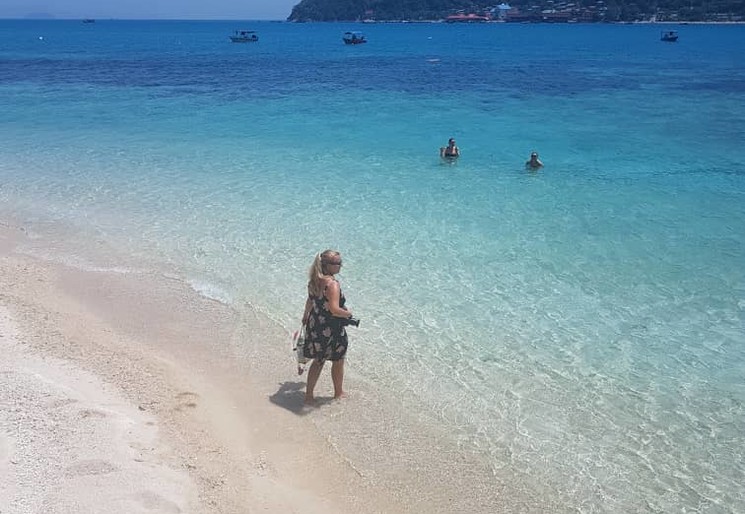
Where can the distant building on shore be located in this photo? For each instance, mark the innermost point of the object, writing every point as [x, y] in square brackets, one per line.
[501, 11]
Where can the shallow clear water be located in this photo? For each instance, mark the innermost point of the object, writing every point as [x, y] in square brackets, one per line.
[582, 325]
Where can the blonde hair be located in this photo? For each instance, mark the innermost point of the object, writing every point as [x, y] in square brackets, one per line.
[317, 272]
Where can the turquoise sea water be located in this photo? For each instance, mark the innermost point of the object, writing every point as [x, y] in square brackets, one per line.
[582, 325]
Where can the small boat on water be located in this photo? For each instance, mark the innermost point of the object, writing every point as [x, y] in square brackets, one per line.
[89, 20]
[244, 36]
[669, 35]
[354, 38]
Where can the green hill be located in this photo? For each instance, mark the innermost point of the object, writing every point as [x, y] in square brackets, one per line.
[533, 10]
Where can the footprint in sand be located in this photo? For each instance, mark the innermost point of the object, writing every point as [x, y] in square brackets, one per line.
[92, 413]
[154, 501]
[58, 404]
[186, 400]
[90, 467]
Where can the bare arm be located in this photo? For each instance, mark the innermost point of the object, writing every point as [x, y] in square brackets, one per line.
[333, 295]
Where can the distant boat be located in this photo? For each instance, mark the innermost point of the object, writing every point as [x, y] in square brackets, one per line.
[244, 36]
[669, 35]
[89, 20]
[354, 38]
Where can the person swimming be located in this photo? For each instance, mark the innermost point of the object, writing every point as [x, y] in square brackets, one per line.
[450, 151]
[534, 163]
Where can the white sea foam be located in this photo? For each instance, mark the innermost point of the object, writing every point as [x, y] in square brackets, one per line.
[74, 261]
[211, 291]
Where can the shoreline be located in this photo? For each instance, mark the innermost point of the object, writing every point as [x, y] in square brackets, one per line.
[203, 371]
[90, 322]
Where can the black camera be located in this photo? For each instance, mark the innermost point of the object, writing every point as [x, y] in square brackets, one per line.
[348, 321]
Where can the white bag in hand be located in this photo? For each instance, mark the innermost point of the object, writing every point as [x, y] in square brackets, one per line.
[297, 345]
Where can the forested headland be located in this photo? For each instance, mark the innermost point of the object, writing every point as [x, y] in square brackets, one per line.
[554, 11]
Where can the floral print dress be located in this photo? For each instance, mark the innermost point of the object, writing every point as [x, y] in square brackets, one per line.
[325, 335]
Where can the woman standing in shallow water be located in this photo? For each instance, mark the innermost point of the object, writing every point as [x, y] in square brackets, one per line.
[325, 335]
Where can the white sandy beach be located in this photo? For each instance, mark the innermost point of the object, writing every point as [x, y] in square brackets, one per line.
[126, 392]
[64, 430]
[102, 411]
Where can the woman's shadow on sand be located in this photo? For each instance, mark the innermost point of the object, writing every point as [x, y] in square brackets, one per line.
[291, 396]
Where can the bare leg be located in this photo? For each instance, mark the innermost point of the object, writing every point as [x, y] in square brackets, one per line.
[337, 377]
[313, 373]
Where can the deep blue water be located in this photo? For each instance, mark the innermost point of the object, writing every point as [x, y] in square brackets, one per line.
[553, 60]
